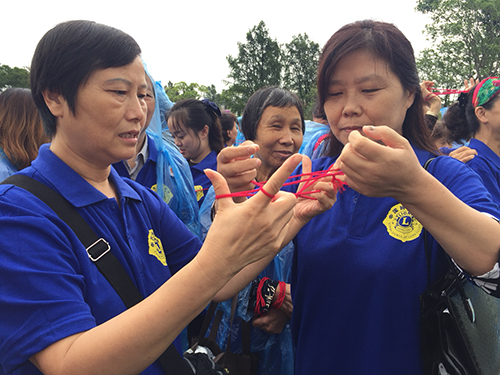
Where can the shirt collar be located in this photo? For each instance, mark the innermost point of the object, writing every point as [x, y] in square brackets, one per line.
[485, 151]
[71, 185]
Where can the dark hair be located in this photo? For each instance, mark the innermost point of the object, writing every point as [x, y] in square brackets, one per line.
[68, 54]
[441, 133]
[21, 130]
[271, 96]
[387, 42]
[227, 120]
[193, 114]
[460, 118]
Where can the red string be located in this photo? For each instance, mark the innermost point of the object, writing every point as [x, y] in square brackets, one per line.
[307, 179]
[260, 302]
[447, 91]
[281, 297]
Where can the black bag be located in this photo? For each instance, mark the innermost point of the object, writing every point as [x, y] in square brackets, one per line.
[246, 362]
[460, 328]
[232, 363]
[460, 324]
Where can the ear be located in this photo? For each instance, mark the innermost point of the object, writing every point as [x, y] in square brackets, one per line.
[481, 114]
[204, 132]
[55, 102]
[410, 99]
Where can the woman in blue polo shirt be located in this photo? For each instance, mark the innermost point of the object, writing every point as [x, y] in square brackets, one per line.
[476, 116]
[360, 267]
[196, 128]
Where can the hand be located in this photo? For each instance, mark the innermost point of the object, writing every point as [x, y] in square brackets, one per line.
[469, 83]
[433, 100]
[306, 208]
[244, 233]
[464, 154]
[271, 322]
[238, 168]
[389, 169]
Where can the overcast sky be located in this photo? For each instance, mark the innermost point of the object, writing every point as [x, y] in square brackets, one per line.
[188, 40]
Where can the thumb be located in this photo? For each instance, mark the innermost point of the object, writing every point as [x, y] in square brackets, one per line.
[221, 188]
[385, 135]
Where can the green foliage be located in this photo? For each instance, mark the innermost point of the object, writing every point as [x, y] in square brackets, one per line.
[300, 60]
[465, 37]
[181, 90]
[258, 64]
[14, 77]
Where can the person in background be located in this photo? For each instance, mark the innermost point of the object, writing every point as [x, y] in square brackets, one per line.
[273, 119]
[88, 83]
[360, 267]
[158, 164]
[317, 131]
[21, 131]
[476, 117]
[195, 126]
[229, 124]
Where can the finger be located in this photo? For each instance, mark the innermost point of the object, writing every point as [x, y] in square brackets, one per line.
[272, 187]
[385, 135]
[243, 151]
[220, 187]
[239, 167]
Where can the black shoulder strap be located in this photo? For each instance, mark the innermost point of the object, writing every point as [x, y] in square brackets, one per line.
[100, 254]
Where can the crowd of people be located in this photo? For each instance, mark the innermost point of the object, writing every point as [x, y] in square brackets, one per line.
[194, 204]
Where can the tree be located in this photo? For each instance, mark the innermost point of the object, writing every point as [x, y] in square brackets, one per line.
[14, 77]
[258, 64]
[300, 60]
[210, 93]
[181, 90]
[465, 35]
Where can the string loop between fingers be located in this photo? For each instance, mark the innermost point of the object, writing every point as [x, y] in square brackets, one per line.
[307, 179]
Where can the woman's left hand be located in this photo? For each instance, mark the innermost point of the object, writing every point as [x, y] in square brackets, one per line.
[380, 163]
[306, 208]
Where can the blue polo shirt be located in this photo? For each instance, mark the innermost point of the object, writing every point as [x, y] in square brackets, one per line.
[357, 275]
[201, 182]
[487, 165]
[49, 289]
[6, 167]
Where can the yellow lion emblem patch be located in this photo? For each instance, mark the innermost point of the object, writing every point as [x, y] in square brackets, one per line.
[401, 224]
[199, 192]
[156, 248]
[167, 194]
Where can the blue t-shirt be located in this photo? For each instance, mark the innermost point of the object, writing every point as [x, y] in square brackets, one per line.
[7, 169]
[357, 275]
[201, 182]
[49, 289]
[487, 165]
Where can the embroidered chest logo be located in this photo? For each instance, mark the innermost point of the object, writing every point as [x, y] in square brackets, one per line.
[401, 224]
[199, 192]
[156, 248]
[167, 194]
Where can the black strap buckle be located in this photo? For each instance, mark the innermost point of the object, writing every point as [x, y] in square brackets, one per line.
[98, 249]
